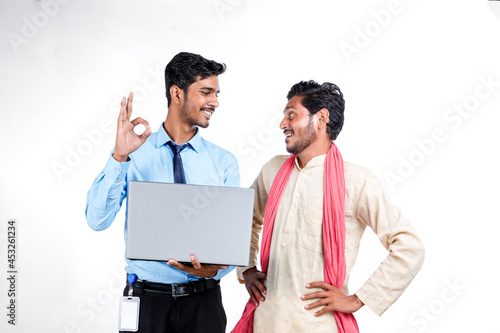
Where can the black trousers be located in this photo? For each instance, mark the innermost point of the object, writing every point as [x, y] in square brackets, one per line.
[197, 313]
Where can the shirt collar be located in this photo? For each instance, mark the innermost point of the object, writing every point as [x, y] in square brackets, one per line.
[162, 138]
[314, 162]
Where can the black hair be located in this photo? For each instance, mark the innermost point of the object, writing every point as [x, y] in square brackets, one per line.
[318, 96]
[185, 68]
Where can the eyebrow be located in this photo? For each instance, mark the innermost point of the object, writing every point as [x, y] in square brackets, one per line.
[210, 88]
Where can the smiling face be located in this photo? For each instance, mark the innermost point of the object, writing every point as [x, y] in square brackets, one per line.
[200, 101]
[298, 125]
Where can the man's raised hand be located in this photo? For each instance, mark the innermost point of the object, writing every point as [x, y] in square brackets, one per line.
[127, 141]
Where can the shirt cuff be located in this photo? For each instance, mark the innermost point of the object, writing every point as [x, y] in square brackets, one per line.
[115, 169]
[221, 273]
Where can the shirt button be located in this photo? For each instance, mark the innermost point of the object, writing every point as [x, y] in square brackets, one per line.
[117, 170]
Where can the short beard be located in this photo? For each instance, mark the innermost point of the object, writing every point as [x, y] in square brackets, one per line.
[191, 120]
[308, 138]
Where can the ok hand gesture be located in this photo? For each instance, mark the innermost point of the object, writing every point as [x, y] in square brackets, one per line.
[127, 141]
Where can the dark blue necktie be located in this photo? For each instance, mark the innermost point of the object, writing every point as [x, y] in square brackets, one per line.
[178, 168]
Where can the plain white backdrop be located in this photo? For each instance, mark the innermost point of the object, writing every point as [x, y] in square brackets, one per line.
[422, 86]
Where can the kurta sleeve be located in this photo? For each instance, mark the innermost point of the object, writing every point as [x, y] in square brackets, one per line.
[405, 250]
[261, 186]
[257, 222]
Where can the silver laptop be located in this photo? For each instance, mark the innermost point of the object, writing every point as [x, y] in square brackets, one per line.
[174, 221]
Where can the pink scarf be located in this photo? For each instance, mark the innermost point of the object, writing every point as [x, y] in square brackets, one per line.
[333, 233]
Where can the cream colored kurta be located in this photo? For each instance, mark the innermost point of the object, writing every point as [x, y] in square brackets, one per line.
[296, 254]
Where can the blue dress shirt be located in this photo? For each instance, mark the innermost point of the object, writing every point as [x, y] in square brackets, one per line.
[204, 164]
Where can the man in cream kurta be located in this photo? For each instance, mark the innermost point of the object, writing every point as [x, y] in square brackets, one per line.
[296, 252]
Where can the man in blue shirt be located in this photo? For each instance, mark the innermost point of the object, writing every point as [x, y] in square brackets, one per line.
[192, 87]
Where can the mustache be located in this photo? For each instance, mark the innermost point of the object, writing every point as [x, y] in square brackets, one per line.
[208, 108]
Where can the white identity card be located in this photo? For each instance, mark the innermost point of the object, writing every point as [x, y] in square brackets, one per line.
[128, 318]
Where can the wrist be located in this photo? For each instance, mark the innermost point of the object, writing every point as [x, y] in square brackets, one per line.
[248, 270]
[120, 158]
[357, 303]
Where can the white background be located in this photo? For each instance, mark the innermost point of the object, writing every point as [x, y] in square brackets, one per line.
[405, 68]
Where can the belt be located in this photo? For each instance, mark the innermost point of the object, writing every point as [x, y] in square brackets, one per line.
[177, 289]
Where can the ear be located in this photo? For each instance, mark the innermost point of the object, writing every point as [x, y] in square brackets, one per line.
[176, 94]
[323, 117]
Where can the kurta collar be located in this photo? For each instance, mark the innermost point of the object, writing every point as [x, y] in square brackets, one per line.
[314, 162]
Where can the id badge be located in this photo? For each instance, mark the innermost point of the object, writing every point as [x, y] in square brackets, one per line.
[128, 318]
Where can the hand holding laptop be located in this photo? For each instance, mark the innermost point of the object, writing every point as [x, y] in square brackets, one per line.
[204, 271]
[208, 226]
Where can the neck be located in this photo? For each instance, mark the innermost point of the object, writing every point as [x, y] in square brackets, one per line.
[317, 148]
[177, 129]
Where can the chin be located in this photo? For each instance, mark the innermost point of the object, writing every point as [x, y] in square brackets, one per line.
[202, 124]
[291, 149]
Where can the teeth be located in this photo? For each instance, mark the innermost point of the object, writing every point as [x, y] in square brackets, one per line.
[288, 135]
[207, 112]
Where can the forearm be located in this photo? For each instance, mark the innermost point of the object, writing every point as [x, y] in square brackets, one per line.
[106, 194]
[260, 200]
[395, 273]
[254, 248]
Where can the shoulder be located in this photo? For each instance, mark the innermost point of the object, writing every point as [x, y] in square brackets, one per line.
[359, 180]
[271, 168]
[355, 173]
[267, 174]
[218, 152]
[275, 163]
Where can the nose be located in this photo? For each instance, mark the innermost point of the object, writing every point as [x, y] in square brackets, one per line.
[284, 124]
[214, 101]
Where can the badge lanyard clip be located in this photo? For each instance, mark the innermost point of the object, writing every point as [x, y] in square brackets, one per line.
[131, 279]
